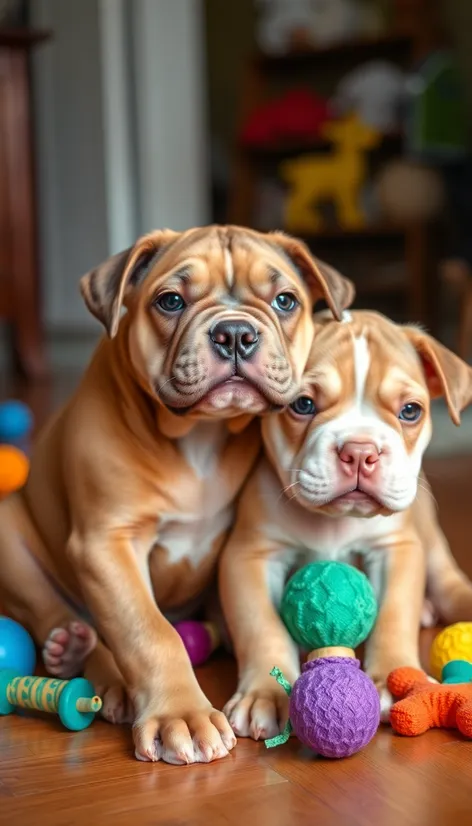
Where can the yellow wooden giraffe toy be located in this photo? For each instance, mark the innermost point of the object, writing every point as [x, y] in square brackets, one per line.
[337, 177]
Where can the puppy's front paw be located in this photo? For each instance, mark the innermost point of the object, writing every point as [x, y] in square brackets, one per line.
[386, 700]
[429, 615]
[258, 709]
[181, 731]
[378, 672]
[109, 685]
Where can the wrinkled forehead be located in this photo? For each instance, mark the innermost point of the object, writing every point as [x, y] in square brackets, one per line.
[230, 260]
[363, 358]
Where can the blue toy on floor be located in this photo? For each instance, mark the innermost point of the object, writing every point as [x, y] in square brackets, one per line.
[17, 649]
[16, 422]
[74, 701]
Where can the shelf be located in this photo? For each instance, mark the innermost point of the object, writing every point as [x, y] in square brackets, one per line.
[359, 50]
[277, 153]
[22, 38]
[379, 286]
[373, 231]
[382, 284]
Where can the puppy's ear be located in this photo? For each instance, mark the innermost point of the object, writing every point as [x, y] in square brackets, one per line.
[105, 288]
[322, 280]
[446, 374]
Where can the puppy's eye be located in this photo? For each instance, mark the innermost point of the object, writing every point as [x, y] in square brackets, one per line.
[304, 406]
[410, 412]
[285, 303]
[170, 302]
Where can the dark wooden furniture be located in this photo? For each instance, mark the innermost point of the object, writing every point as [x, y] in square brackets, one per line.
[20, 304]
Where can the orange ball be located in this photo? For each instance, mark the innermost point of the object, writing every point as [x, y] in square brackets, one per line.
[14, 468]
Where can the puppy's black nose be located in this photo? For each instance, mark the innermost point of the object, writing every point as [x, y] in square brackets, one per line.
[234, 338]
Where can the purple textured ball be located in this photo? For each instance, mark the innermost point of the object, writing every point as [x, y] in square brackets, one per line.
[196, 639]
[334, 707]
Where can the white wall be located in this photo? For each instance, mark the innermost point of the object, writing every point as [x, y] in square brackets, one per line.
[121, 134]
[70, 159]
[170, 108]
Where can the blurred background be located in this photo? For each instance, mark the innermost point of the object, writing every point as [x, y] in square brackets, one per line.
[345, 122]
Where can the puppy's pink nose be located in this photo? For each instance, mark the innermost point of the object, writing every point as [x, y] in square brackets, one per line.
[358, 458]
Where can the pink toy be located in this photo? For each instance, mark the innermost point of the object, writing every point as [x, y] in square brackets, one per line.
[200, 639]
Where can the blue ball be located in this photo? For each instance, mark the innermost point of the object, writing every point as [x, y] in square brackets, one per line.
[17, 649]
[16, 421]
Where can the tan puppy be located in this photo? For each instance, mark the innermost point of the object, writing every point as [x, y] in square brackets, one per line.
[131, 486]
[350, 446]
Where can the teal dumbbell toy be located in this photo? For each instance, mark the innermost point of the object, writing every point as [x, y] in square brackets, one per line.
[457, 671]
[74, 701]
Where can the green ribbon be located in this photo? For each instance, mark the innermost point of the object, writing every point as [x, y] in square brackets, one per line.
[281, 738]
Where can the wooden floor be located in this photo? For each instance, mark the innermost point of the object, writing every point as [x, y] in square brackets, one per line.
[54, 777]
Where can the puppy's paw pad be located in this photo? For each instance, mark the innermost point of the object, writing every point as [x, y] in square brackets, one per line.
[386, 703]
[117, 707]
[429, 615]
[66, 649]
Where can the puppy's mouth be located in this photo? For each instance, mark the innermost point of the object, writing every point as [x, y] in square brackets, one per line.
[353, 501]
[356, 501]
[356, 496]
[234, 393]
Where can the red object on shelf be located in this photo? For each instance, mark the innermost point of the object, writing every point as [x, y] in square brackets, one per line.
[296, 117]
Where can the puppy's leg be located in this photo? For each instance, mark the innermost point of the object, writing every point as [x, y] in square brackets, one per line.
[102, 671]
[251, 581]
[29, 597]
[174, 720]
[449, 589]
[400, 586]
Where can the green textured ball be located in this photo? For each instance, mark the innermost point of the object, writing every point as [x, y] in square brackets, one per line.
[328, 604]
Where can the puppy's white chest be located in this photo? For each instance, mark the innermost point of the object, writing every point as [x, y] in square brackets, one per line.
[317, 536]
[337, 538]
[202, 447]
[192, 538]
[204, 510]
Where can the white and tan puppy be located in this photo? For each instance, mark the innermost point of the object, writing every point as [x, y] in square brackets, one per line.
[132, 484]
[342, 476]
